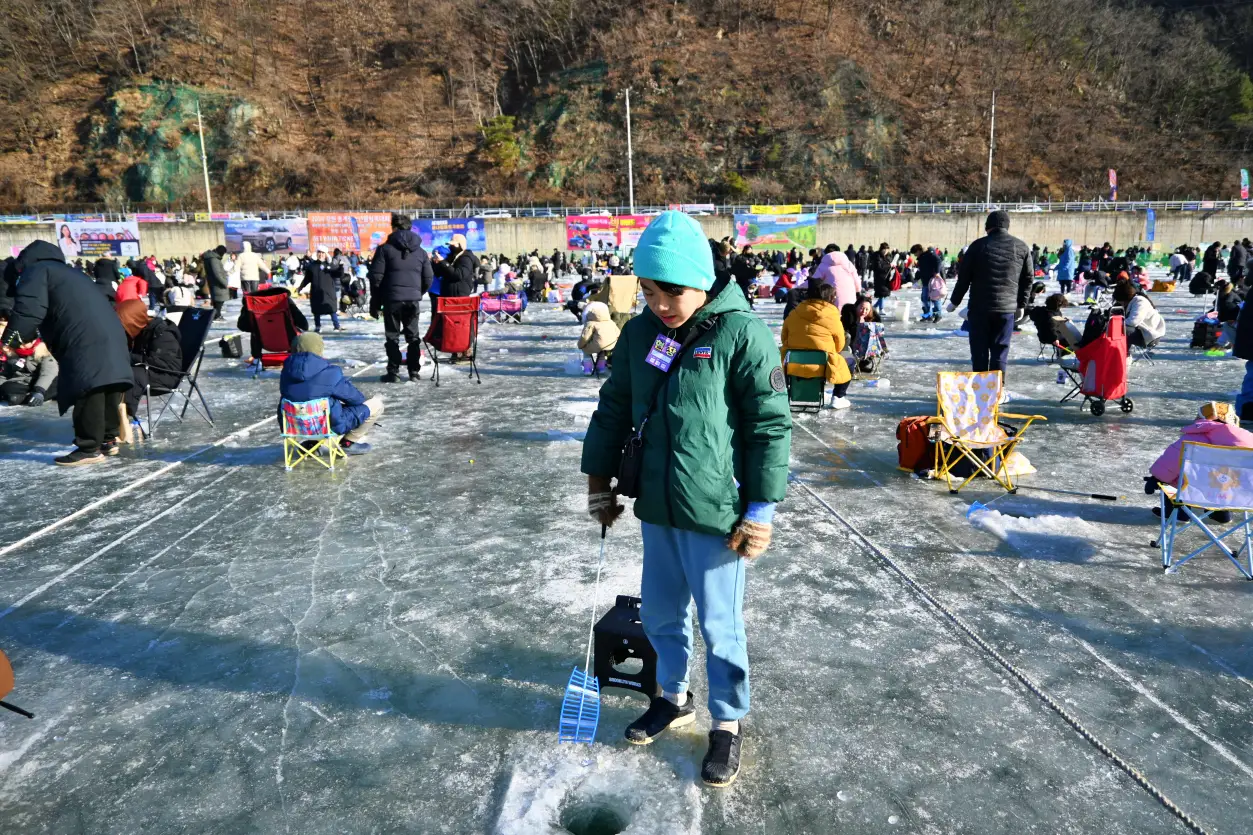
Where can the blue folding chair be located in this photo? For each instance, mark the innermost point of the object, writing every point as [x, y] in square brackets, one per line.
[1211, 479]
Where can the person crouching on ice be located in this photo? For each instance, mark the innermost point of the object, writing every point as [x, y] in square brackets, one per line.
[697, 381]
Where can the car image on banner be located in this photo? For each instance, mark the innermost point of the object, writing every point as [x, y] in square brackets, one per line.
[279, 235]
[91, 239]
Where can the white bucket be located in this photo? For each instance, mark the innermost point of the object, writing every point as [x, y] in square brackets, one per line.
[902, 311]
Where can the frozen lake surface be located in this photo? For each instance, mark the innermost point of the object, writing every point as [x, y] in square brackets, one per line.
[228, 647]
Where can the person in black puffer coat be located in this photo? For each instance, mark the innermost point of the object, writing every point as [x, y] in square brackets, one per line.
[61, 305]
[107, 276]
[457, 273]
[997, 272]
[214, 275]
[323, 290]
[400, 275]
[156, 349]
[881, 268]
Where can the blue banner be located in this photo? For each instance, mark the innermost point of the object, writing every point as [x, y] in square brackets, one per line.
[439, 232]
[1150, 225]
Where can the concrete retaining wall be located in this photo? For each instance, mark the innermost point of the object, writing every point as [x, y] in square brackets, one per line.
[173, 240]
[22, 236]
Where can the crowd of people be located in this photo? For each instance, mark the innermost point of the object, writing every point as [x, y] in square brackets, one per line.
[97, 338]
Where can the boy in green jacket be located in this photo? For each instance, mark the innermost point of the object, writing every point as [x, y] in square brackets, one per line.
[716, 437]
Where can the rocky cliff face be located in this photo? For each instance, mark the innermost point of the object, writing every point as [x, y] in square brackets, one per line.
[323, 102]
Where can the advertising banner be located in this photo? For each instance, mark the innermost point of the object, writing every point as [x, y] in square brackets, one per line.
[1244, 184]
[591, 232]
[695, 208]
[438, 232]
[283, 235]
[349, 231]
[790, 209]
[79, 239]
[776, 232]
[1150, 225]
[630, 227]
[1113, 186]
[154, 218]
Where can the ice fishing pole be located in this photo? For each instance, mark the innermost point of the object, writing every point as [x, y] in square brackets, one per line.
[1102, 496]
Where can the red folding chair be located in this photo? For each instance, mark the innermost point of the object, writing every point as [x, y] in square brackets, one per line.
[454, 330]
[272, 330]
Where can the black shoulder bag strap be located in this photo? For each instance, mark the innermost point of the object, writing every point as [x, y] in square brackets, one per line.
[633, 450]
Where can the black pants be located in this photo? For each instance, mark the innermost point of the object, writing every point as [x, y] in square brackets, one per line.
[96, 417]
[990, 334]
[250, 287]
[217, 310]
[402, 318]
[840, 389]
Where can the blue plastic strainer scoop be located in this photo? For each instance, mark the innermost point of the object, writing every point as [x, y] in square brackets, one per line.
[580, 709]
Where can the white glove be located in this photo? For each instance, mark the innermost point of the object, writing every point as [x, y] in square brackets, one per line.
[950, 307]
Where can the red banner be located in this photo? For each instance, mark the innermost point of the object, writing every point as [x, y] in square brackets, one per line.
[349, 232]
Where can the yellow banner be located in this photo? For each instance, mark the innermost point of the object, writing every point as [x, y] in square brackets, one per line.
[203, 217]
[844, 207]
[793, 209]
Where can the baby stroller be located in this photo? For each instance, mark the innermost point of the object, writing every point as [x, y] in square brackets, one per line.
[1098, 369]
[869, 348]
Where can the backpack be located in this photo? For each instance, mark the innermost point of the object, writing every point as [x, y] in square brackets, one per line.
[1206, 333]
[915, 451]
[936, 288]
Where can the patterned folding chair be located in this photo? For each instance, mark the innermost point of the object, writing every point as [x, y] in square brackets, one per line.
[1211, 479]
[307, 433]
[970, 427]
[491, 309]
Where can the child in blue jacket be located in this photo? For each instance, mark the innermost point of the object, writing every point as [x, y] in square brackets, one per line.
[308, 376]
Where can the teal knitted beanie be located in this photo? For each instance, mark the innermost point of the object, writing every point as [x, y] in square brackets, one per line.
[674, 249]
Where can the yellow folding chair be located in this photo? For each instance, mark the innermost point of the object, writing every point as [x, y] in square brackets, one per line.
[307, 433]
[969, 422]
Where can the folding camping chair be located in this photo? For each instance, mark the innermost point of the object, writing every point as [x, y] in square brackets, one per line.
[512, 306]
[454, 329]
[306, 427]
[1211, 478]
[970, 427]
[1145, 354]
[869, 348]
[806, 379]
[272, 330]
[491, 309]
[1051, 348]
[193, 330]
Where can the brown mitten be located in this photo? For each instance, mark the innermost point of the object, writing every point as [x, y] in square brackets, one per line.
[750, 539]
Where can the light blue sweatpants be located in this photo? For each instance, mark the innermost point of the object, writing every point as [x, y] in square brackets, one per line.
[1246, 388]
[679, 566]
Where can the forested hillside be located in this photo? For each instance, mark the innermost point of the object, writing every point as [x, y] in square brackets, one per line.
[336, 103]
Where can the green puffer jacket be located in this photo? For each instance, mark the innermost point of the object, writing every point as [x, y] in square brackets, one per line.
[721, 418]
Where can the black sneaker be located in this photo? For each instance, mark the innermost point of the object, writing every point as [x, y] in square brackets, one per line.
[390, 378]
[722, 762]
[109, 448]
[661, 716]
[80, 458]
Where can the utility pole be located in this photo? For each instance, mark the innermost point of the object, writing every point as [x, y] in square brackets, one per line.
[204, 159]
[987, 198]
[630, 163]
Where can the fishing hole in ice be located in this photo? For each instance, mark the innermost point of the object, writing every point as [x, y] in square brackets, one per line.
[595, 816]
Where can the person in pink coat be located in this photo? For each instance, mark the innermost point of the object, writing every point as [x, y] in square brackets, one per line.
[836, 270]
[1217, 424]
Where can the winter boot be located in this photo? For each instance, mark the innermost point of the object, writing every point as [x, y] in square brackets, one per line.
[587, 368]
[661, 716]
[80, 458]
[722, 763]
[602, 367]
